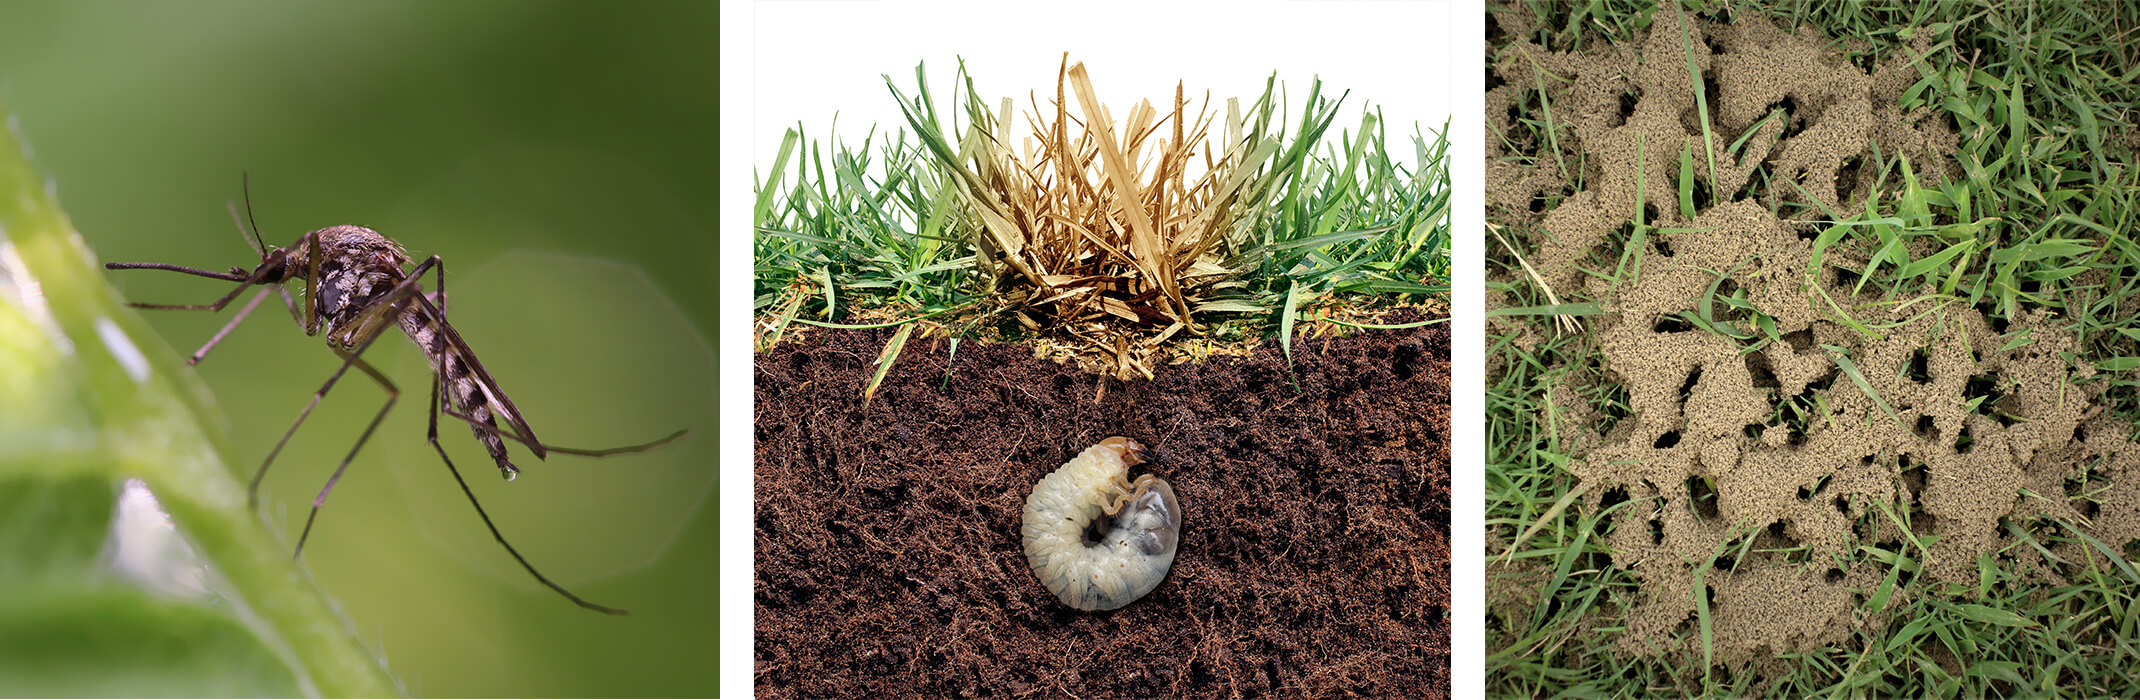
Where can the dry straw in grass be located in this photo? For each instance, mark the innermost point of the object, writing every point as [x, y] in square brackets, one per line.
[1096, 229]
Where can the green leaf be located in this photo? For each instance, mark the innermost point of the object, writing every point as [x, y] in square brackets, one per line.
[1587, 308]
[2025, 337]
[1992, 616]
[2118, 364]
[67, 630]
[1887, 584]
[1686, 181]
[1935, 261]
[2116, 559]
[2056, 248]
[771, 186]
[1858, 378]
[92, 401]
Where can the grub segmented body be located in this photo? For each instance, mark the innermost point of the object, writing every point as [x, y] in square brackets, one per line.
[358, 266]
[1136, 543]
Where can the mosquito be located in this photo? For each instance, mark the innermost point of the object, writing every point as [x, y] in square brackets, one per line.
[357, 284]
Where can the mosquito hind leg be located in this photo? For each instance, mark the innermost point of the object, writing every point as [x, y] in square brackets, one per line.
[489, 428]
[494, 533]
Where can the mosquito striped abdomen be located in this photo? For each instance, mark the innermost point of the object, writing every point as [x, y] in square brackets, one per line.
[462, 387]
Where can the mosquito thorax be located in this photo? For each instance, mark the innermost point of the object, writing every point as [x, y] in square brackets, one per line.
[356, 267]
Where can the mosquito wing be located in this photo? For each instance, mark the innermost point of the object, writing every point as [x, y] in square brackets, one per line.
[470, 386]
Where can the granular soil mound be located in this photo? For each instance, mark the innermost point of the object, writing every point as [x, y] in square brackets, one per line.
[1986, 431]
[1314, 557]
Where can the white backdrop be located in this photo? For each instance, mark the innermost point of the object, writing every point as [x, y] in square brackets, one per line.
[814, 59]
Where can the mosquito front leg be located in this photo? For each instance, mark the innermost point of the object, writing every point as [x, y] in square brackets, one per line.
[392, 394]
[202, 353]
[234, 275]
[268, 270]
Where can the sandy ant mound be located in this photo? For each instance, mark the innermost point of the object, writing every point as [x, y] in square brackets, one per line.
[1777, 99]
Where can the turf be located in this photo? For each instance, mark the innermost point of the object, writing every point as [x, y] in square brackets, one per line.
[2035, 217]
[930, 223]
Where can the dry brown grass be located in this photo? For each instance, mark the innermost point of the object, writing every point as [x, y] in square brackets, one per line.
[1116, 234]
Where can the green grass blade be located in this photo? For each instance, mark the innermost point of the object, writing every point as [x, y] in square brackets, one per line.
[2116, 559]
[1701, 91]
[1686, 182]
[771, 189]
[1587, 308]
[1992, 616]
[1850, 369]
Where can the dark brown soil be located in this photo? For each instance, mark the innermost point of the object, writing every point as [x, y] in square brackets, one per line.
[1314, 558]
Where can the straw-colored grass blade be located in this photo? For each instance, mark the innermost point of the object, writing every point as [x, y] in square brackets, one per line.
[1144, 241]
[885, 360]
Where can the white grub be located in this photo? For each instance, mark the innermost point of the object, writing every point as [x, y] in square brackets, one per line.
[1137, 525]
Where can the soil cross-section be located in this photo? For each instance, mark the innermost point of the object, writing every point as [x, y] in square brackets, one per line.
[1313, 551]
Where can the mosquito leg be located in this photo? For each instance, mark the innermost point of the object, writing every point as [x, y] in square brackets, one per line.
[393, 297]
[437, 405]
[438, 279]
[291, 304]
[489, 429]
[243, 281]
[392, 394]
[433, 437]
[202, 353]
[252, 496]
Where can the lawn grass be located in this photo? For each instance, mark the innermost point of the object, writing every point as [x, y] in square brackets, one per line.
[1220, 227]
[2044, 96]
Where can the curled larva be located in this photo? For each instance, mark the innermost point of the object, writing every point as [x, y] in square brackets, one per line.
[1096, 539]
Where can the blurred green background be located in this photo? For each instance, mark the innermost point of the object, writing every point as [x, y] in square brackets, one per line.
[559, 157]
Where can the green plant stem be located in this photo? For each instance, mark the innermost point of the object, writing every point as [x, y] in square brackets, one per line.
[144, 412]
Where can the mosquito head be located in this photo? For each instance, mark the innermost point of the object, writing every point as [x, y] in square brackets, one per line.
[274, 262]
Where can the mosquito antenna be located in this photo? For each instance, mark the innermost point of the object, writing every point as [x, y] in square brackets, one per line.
[245, 189]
